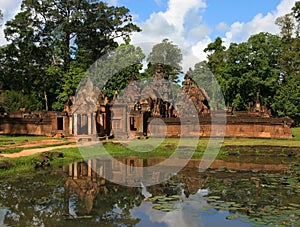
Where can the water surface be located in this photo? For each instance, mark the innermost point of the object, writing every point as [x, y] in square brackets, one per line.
[231, 193]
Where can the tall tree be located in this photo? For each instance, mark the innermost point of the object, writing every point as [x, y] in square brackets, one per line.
[287, 26]
[286, 101]
[52, 40]
[1, 17]
[296, 11]
[167, 54]
[113, 71]
[203, 76]
[246, 68]
[217, 64]
[129, 63]
[216, 55]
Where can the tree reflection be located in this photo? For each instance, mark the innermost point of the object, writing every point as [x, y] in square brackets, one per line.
[77, 195]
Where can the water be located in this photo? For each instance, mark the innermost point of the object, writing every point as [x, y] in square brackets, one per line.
[231, 193]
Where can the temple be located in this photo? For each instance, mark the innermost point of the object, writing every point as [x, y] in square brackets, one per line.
[153, 109]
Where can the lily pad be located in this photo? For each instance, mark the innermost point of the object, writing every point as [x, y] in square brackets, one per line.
[232, 217]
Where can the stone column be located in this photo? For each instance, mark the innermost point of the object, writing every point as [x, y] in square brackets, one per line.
[75, 124]
[94, 128]
[81, 124]
[125, 116]
[89, 123]
[70, 125]
[71, 170]
[75, 176]
[89, 169]
[94, 165]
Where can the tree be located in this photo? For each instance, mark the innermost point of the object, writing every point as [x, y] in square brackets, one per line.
[216, 56]
[287, 98]
[121, 79]
[286, 25]
[169, 55]
[202, 75]
[27, 59]
[52, 40]
[296, 14]
[13, 101]
[1, 17]
[286, 101]
[217, 65]
[113, 71]
[101, 26]
[289, 25]
[247, 68]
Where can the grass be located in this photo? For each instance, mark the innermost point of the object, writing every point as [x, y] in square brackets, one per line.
[16, 140]
[295, 141]
[296, 134]
[18, 149]
[166, 148]
[116, 150]
[25, 164]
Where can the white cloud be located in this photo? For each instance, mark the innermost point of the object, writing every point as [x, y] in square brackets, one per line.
[199, 32]
[171, 22]
[158, 2]
[222, 26]
[112, 2]
[9, 9]
[241, 31]
[178, 9]
[197, 49]
[181, 23]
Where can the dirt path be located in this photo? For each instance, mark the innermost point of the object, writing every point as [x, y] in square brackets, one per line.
[33, 143]
[28, 152]
[33, 151]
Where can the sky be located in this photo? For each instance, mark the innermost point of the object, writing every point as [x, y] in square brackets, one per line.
[191, 24]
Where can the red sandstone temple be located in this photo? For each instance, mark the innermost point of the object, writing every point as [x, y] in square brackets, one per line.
[130, 114]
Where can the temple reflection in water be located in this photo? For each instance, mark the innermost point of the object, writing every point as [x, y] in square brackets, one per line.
[89, 179]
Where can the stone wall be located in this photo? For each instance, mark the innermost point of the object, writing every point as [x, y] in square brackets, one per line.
[38, 123]
[57, 124]
[246, 127]
[23, 126]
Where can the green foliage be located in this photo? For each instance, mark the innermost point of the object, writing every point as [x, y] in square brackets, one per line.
[13, 101]
[265, 63]
[246, 68]
[296, 133]
[53, 42]
[69, 83]
[216, 56]
[1, 17]
[113, 72]
[287, 99]
[169, 55]
[286, 25]
[202, 75]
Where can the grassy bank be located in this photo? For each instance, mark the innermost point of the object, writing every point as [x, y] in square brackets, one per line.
[238, 146]
[17, 140]
[296, 134]
[18, 149]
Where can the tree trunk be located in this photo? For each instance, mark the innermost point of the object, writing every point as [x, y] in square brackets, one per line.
[46, 99]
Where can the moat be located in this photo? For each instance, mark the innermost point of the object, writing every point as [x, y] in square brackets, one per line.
[233, 192]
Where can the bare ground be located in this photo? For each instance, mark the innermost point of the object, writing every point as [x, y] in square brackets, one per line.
[28, 152]
[27, 145]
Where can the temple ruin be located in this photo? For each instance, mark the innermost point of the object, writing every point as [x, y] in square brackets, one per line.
[131, 113]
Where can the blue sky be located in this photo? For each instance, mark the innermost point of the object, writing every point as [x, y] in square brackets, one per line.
[216, 11]
[193, 24]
